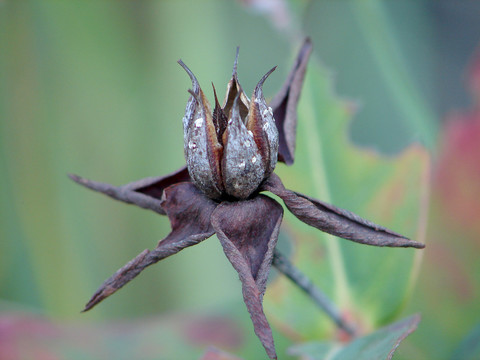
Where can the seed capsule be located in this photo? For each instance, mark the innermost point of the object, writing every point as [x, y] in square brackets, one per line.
[229, 151]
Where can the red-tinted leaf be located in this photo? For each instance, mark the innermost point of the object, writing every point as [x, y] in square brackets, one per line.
[458, 172]
[215, 354]
[178, 336]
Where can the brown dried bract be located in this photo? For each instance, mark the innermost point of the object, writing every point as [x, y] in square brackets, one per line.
[231, 154]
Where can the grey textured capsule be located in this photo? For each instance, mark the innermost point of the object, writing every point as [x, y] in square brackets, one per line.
[229, 151]
[202, 149]
[242, 165]
[262, 125]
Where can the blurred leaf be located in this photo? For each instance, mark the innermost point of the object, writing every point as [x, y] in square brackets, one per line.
[382, 42]
[215, 354]
[469, 349]
[385, 63]
[457, 181]
[23, 335]
[377, 346]
[371, 285]
[449, 283]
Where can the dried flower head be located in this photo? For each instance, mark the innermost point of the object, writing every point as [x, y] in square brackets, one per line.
[231, 150]
[231, 153]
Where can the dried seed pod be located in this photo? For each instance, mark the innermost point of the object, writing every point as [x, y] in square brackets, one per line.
[231, 150]
[262, 125]
[202, 148]
[242, 165]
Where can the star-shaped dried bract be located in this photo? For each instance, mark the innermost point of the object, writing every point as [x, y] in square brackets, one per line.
[231, 153]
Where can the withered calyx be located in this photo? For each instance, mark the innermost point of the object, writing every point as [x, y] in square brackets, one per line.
[231, 153]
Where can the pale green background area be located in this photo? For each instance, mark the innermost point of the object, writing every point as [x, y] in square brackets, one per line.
[93, 88]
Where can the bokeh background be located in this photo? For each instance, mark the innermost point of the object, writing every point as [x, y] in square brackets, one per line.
[93, 88]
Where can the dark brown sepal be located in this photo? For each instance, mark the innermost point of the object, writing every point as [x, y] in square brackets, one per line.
[336, 221]
[154, 186]
[145, 193]
[189, 212]
[248, 242]
[284, 105]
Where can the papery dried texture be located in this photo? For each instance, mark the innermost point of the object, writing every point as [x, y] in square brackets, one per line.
[248, 232]
[154, 186]
[262, 125]
[202, 148]
[242, 163]
[233, 89]
[145, 193]
[219, 118]
[336, 221]
[284, 105]
[189, 212]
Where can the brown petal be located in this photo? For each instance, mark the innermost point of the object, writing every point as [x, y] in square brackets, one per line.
[154, 186]
[202, 149]
[203, 152]
[233, 89]
[145, 193]
[189, 212]
[262, 125]
[248, 232]
[219, 118]
[285, 102]
[336, 221]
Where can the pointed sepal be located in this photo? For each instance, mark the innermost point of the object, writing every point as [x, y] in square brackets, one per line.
[336, 221]
[285, 102]
[248, 231]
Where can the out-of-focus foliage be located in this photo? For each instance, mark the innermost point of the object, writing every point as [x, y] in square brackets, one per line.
[178, 336]
[94, 88]
[377, 346]
[369, 284]
[448, 288]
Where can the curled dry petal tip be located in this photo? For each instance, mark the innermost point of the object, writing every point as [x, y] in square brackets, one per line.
[196, 85]
[235, 63]
[262, 125]
[264, 77]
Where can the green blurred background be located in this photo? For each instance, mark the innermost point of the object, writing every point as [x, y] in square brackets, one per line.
[93, 88]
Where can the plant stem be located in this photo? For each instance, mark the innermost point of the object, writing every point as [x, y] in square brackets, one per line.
[303, 282]
[321, 187]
